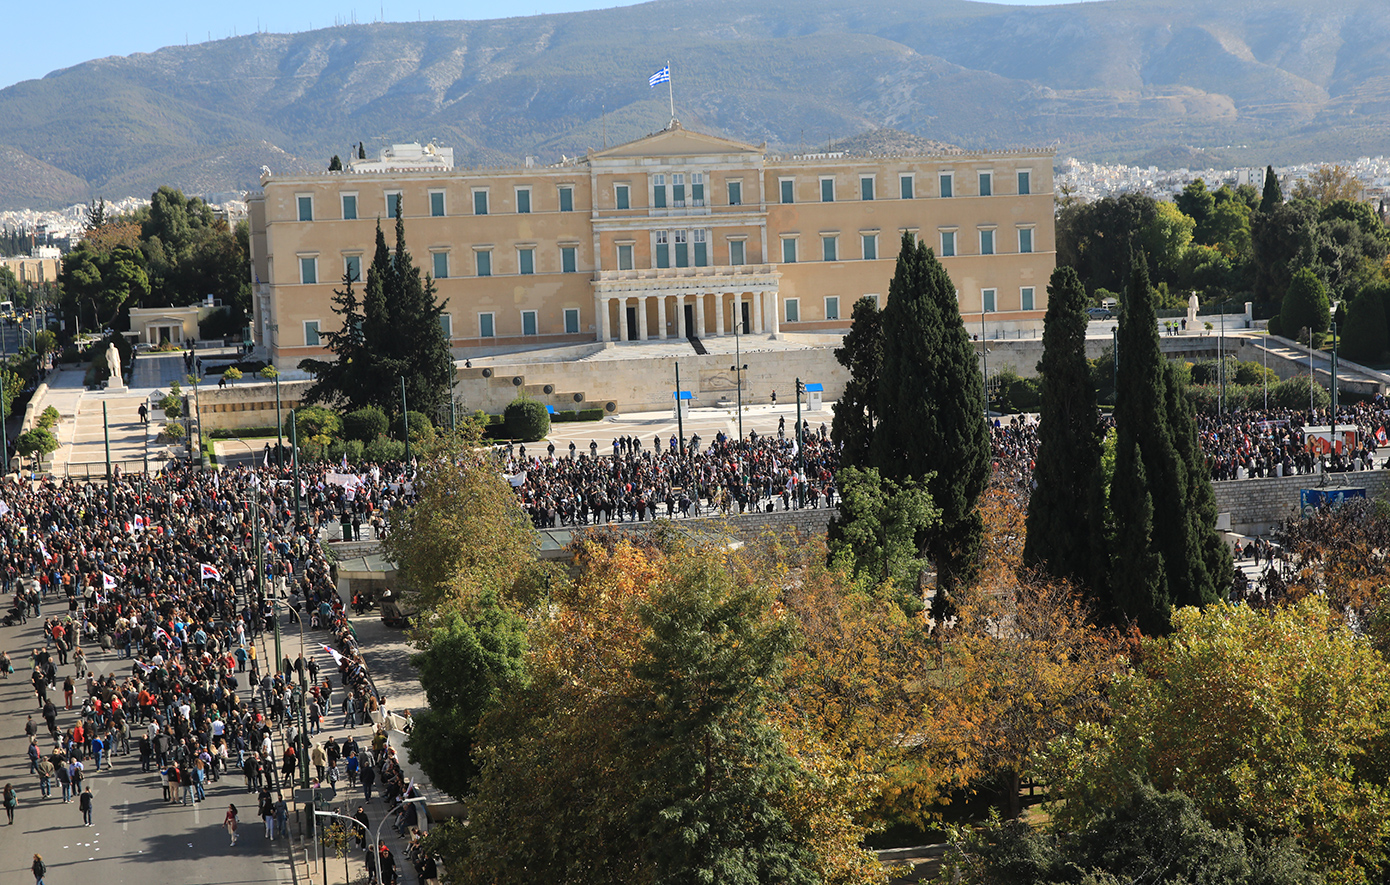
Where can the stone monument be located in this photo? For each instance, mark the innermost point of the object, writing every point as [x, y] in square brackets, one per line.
[1192, 312]
[113, 360]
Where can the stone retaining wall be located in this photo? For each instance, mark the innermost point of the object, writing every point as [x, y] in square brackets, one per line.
[1257, 505]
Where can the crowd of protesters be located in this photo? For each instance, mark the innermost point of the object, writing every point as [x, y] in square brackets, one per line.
[155, 577]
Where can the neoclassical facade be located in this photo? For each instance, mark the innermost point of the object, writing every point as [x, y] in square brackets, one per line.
[674, 235]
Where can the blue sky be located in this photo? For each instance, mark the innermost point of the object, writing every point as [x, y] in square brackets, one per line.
[43, 38]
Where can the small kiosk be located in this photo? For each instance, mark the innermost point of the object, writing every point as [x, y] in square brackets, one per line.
[814, 392]
[683, 399]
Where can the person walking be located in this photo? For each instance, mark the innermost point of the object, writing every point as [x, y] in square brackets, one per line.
[11, 799]
[39, 869]
[85, 803]
[368, 775]
[266, 810]
[230, 823]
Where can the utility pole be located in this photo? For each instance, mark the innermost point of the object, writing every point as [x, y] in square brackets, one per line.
[800, 446]
[405, 420]
[1334, 388]
[279, 439]
[680, 409]
[106, 437]
[294, 458]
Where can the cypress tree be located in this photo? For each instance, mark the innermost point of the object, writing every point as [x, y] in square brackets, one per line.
[1061, 528]
[418, 343]
[1273, 195]
[1166, 551]
[856, 411]
[931, 408]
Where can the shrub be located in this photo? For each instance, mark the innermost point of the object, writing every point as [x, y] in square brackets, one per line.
[365, 424]
[232, 374]
[1293, 394]
[420, 426]
[527, 420]
[351, 448]
[578, 415]
[45, 341]
[384, 448]
[49, 417]
[37, 441]
[173, 430]
[269, 373]
[1251, 372]
[315, 421]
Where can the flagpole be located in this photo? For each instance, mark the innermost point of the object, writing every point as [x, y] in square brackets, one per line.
[670, 89]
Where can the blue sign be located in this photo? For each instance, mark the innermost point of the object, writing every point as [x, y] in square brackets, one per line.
[1309, 500]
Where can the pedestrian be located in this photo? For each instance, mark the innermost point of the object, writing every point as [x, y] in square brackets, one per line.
[282, 815]
[368, 775]
[45, 777]
[267, 812]
[39, 869]
[230, 823]
[85, 804]
[11, 800]
[361, 817]
[144, 414]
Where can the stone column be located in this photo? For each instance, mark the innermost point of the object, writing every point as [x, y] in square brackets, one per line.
[700, 316]
[622, 318]
[758, 299]
[680, 317]
[662, 333]
[641, 317]
[601, 318]
[776, 311]
[719, 314]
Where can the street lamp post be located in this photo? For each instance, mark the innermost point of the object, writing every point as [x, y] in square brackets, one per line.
[984, 355]
[376, 844]
[279, 437]
[352, 821]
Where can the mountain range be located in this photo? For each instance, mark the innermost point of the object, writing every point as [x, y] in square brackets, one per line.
[1168, 82]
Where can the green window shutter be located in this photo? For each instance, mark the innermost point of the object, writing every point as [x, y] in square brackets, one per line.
[737, 255]
[484, 263]
[1025, 301]
[735, 193]
[393, 205]
[523, 202]
[624, 258]
[948, 185]
[870, 247]
[986, 184]
[306, 208]
[948, 243]
[352, 267]
[568, 262]
[446, 326]
[788, 191]
[566, 199]
[701, 255]
[987, 299]
[308, 270]
[828, 249]
[441, 265]
[526, 260]
[789, 251]
[866, 188]
[793, 310]
[486, 326]
[905, 188]
[436, 205]
[528, 322]
[349, 207]
[986, 242]
[311, 333]
[827, 190]
[480, 203]
[1025, 183]
[623, 199]
[571, 321]
[1025, 240]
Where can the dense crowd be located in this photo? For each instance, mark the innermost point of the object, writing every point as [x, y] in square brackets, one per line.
[160, 571]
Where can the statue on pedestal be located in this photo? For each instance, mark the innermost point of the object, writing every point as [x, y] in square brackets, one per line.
[113, 360]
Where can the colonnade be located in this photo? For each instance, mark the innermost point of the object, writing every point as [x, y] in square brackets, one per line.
[708, 306]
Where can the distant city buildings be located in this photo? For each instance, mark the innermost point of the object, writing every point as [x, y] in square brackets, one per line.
[1093, 181]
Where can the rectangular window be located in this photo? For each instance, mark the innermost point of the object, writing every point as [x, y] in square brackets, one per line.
[446, 326]
[906, 190]
[986, 242]
[736, 193]
[987, 300]
[349, 207]
[700, 239]
[832, 307]
[569, 262]
[697, 188]
[1025, 298]
[663, 249]
[308, 270]
[678, 189]
[624, 257]
[737, 255]
[526, 261]
[528, 322]
[986, 184]
[480, 208]
[658, 191]
[682, 248]
[948, 243]
[441, 265]
[436, 204]
[947, 183]
[788, 190]
[829, 248]
[311, 333]
[793, 310]
[1025, 183]
[566, 199]
[1025, 239]
[571, 321]
[870, 244]
[789, 251]
[523, 201]
[352, 267]
[866, 187]
[484, 258]
[827, 190]
[621, 195]
[393, 204]
[486, 327]
[306, 208]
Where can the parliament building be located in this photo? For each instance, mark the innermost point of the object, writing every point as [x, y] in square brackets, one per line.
[675, 235]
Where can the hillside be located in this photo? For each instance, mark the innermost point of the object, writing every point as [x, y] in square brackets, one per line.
[1125, 79]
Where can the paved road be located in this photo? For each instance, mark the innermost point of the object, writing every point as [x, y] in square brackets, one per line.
[137, 837]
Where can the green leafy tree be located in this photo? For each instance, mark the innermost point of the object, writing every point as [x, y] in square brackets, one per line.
[931, 409]
[711, 766]
[36, 441]
[1199, 204]
[1282, 240]
[856, 412]
[1063, 536]
[1306, 304]
[526, 420]
[878, 527]
[365, 424]
[1273, 195]
[1096, 238]
[469, 657]
[1364, 334]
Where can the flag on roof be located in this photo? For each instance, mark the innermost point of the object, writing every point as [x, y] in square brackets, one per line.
[661, 76]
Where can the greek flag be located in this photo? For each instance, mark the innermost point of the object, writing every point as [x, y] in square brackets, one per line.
[661, 76]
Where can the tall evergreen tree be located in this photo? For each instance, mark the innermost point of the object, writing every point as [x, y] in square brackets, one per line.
[352, 363]
[1165, 550]
[1061, 527]
[1273, 194]
[856, 411]
[931, 408]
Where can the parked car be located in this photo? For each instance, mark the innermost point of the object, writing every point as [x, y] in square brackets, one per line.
[1100, 313]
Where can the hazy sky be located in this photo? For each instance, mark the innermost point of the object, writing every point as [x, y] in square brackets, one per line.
[41, 38]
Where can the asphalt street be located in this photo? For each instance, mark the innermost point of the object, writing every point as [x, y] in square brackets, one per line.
[136, 836]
